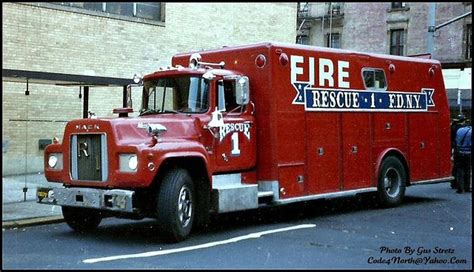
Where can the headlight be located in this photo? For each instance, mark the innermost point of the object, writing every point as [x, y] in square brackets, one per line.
[128, 162]
[55, 161]
[133, 162]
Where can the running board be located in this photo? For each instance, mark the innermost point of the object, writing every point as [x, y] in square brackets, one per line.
[432, 181]
[265, 194]
[325, 196]
[229, 194]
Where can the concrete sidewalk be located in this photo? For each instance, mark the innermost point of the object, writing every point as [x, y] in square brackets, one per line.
[16, 212]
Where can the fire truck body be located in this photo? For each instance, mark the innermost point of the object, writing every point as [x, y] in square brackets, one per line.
[312, 151]
[271, 124]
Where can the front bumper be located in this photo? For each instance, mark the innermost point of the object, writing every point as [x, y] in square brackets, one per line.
[113, 200]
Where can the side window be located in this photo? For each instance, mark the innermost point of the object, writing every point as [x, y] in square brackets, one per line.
[374, 79]
[220, 95]
[229, 92]
[226, 95]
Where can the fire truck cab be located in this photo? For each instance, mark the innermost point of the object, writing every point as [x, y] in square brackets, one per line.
[264, 124]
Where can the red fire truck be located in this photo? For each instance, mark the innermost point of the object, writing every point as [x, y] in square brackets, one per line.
[265, 124]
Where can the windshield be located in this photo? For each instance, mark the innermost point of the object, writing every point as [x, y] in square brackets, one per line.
[175, 94]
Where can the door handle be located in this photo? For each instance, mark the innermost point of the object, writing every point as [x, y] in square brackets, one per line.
[224, 157]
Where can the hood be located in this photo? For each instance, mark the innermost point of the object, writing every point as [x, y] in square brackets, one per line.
[130, 131]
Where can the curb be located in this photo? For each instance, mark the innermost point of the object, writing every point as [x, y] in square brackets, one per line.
[32, 222]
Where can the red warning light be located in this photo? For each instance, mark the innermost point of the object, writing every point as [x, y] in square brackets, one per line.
[260, 61]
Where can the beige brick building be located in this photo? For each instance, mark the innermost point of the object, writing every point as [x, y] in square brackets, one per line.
[75, 40]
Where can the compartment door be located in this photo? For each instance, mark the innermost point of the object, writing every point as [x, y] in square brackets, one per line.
[424, 160]
[356, 150]
[323, 152]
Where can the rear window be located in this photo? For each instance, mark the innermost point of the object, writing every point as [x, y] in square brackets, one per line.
[374, 79]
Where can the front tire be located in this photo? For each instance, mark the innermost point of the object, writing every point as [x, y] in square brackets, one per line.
[175, 205]
[81, 219]
[392, 182]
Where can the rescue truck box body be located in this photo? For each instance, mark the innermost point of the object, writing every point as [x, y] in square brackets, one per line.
[318, 123]
[311, 150]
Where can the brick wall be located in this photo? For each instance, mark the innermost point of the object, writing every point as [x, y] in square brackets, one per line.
[38, 38]
[365, 28]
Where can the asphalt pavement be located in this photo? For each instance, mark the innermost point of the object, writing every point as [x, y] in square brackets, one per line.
[432, 229]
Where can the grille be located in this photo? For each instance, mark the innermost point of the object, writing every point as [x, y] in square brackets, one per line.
[89, 157]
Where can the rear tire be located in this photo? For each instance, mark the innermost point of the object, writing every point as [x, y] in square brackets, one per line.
[81, 219]
[175, 205]
[392, 182]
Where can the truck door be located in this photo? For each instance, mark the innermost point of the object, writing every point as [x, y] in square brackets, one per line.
[235, 147]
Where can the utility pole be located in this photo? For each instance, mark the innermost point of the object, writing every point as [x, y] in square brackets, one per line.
[431, 28]
[330, 25]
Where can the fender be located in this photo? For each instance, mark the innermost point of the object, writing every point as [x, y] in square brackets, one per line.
[384, 154]
[187, 149]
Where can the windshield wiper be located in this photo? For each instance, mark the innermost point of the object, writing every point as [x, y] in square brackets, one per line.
[168, 111]
[152, 111]
[149, 111]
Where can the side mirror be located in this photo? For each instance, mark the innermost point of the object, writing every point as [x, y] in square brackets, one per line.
[242, 95]
[138, 79]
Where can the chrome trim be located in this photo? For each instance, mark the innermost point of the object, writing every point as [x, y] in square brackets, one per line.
[73, 148]
[323, 196]
[432, 181]
[114, 200]
[105, 156]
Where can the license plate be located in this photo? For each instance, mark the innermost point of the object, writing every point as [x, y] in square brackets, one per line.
[42, 193]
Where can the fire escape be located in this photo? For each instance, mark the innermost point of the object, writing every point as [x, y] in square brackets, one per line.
[310, 14]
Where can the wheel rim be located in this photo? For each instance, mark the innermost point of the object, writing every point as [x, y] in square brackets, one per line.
[185, 206]
[392, 181]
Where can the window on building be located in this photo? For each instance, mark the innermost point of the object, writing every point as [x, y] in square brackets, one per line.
[398, 5]
[121, 8]
[96, 6]
[374, 78]
[334, 8]
[469, 41]
[333, 40]
[303, 39]
[397, 41]
[147, 10]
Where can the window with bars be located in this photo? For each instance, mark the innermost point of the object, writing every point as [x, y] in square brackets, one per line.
[398, 5]
[397, 42]
[333, 40]
[146, 10]
[468, 41]
[303, 39]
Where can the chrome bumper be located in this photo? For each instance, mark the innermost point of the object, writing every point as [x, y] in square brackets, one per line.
[113, 200]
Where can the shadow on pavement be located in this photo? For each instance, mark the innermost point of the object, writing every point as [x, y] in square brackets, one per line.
[145, 232]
